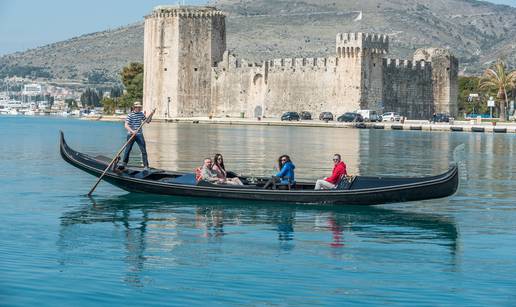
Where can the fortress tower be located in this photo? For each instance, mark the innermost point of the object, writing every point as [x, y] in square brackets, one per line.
[361, 54]
[445, 82]
[182, 44]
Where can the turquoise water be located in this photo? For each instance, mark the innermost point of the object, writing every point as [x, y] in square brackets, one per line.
[60, 248]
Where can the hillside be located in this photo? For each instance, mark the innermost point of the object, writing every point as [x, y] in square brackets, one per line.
[477, 32]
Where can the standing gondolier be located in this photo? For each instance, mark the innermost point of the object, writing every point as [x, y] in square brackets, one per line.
[133, 121]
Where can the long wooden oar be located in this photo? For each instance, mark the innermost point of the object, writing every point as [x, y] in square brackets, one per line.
[119, 152]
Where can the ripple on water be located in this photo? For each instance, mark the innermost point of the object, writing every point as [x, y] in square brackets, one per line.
[135, 249]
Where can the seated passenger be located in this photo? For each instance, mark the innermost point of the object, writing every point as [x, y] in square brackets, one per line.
[285, 175]
[220, 170]
[207, 173]
[339, 171]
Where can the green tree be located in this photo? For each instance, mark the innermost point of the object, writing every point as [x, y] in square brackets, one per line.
[90, 98]
[116, 92]
[132, 78]
[109, 105]
[50, 99]
[71, 103]
[498, 79]
[467, 105]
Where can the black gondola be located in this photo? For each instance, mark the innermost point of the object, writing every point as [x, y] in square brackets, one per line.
[360, 190]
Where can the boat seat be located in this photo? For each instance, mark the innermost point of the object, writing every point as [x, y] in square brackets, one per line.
[284, 186]
[345, 182]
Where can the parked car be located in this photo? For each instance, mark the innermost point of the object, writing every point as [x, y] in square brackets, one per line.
[440, 118]
[391, 116]
[349, 117]
[369, 115]
[290, 116]
[326, 116]
[306, 115]
[474, 116]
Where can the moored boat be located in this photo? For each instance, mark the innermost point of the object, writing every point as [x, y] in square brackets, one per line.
[360, 190]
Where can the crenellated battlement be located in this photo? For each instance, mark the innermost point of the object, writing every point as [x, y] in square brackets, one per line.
[357, 44]
[231, 62]
[362, 37]
[406, 64]
[302, 62]
[165, 11]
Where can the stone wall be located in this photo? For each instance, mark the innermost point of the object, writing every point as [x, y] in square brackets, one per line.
[234, 86]
[292, 84]
[445, 84]
[407, 88]
[372, 81]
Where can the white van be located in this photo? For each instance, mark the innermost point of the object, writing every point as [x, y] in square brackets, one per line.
[369, 115]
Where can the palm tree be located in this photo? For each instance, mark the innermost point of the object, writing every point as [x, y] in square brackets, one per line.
[497, 78]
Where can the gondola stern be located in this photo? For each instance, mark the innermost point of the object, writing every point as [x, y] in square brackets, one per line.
[61, 137]
[453, 179]
[63, 146]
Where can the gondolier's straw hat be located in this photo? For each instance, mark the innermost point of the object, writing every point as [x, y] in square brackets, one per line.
[137, 104]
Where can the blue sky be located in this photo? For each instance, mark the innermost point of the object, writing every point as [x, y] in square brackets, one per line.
[27, 24]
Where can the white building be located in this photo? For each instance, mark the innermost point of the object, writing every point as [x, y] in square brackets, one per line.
[32, 89]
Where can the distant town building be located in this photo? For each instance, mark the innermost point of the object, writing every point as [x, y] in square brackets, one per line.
[32, 89]
[189, 72]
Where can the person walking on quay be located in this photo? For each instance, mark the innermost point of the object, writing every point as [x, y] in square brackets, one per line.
[434, 118]
[339, 171]
[133, 121]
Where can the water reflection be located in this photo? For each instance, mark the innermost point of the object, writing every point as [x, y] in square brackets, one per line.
[211, 221]
[252, 149]
[154, 230]
[135, 246]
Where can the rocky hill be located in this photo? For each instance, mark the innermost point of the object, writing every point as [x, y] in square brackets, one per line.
[477, 32]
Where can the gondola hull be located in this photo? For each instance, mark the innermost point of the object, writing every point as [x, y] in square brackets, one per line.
[364, 190]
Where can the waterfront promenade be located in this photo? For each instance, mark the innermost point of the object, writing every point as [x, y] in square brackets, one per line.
[417, 125]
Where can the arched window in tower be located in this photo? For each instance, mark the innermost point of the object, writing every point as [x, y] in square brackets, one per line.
[257, 79]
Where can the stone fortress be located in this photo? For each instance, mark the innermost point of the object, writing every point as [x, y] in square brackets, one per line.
[190, 73]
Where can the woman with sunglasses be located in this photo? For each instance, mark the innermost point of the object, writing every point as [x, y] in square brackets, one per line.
[285, 175]
[222, 174]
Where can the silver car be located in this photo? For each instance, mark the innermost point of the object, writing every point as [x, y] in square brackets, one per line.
[391, 116]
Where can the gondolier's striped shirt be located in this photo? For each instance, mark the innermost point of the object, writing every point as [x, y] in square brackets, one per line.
[135, 119]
